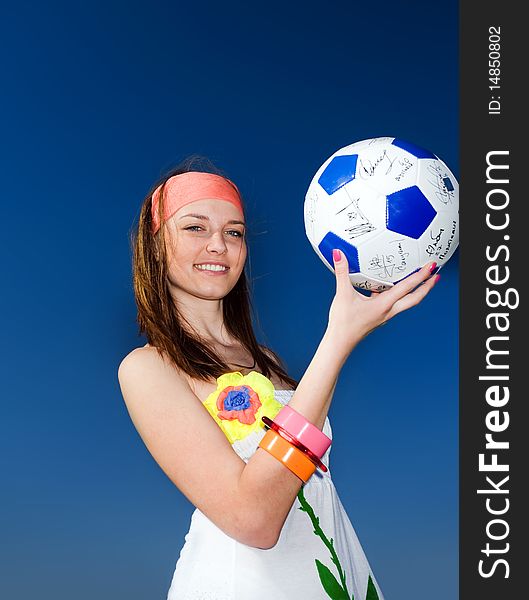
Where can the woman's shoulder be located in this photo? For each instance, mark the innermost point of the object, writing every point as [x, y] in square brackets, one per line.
[147, 359]
[136, 355]
[148, 362]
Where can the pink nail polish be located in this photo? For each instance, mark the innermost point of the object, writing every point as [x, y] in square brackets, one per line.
[432, 267]
[437, 277]
[336, 255]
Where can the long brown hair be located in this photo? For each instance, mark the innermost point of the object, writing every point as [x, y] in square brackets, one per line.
[158, 316]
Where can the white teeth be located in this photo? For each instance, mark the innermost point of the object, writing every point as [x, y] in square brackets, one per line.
[211, 267]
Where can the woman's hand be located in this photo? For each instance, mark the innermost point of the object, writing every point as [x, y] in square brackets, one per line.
[352, 315]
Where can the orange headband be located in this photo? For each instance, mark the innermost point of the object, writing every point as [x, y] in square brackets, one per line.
[188, 187]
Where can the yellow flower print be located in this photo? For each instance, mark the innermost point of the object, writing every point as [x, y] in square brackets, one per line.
[240, 401]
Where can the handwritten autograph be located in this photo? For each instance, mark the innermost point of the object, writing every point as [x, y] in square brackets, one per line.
[367, 168]
[385, 265]
[439, 180]
[434, 247]
[360, 224]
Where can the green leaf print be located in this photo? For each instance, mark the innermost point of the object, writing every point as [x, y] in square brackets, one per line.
[306, 507]
[371, 590]
[330, 584]
[334, 589]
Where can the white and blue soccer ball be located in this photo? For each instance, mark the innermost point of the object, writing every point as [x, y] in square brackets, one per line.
[389, 205]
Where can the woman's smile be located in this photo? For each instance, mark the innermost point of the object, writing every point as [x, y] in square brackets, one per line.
[212, 269]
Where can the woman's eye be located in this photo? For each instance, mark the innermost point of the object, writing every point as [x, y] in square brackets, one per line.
[233, 232]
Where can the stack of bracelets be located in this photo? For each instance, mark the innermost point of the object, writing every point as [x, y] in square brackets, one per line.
[295, 442]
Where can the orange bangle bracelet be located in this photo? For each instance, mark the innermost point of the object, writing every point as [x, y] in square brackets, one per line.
[285, 452]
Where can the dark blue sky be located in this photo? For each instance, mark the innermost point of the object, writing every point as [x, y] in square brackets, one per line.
[98, 99]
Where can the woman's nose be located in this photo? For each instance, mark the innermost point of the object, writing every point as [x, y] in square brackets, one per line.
[217, 243]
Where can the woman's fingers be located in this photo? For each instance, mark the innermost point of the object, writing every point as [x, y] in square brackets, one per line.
[404, 287]
[350, 308]
[413, 298]
[345, 292]
[341, 269]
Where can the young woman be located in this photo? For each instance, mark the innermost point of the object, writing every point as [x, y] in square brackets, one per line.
[197, 393]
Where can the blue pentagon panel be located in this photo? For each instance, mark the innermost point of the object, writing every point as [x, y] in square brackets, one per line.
[339, 171]
[448, 184]
[330, 241]
[408, 212]
[413, 149]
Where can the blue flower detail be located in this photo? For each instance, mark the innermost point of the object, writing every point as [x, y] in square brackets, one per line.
[237, 399]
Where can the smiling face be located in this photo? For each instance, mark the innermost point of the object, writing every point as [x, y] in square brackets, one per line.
[206, 248]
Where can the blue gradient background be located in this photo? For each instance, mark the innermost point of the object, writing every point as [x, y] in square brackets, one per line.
[99, 98]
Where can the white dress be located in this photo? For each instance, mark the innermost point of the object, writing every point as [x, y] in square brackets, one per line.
[214, 566]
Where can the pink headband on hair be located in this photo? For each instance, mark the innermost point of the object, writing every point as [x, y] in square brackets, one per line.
[188, 187]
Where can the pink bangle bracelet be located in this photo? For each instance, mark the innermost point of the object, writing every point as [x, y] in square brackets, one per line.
[303, 430]
[294, 442]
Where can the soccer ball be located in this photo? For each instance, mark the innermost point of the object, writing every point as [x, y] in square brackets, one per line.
[389, 205]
